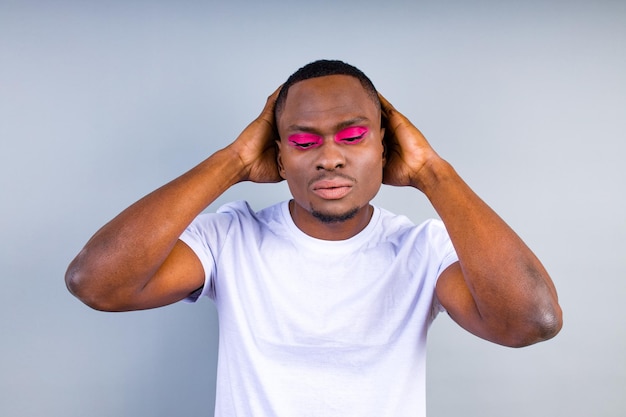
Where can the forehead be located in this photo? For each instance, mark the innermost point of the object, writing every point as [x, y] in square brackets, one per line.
[326, 100]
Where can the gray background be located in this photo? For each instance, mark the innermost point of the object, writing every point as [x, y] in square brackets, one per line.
[101, 102]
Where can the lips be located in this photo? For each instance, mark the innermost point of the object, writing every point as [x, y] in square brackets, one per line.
[332, 189]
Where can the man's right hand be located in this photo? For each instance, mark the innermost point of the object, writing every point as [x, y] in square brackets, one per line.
[256, 146]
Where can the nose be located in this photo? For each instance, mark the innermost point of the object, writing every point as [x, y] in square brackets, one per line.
[330, 156]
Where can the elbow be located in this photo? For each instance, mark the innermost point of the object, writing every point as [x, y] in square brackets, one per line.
[537, 319]
[539, 327]
[74, 280]
[87, 287]
[549, 324]
[78, 285]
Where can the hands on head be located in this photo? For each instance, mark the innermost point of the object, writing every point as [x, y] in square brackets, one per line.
[256, 146]
[407, 150]
[136, 260]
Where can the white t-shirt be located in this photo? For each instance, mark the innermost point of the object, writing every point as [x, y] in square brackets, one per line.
[310, 327]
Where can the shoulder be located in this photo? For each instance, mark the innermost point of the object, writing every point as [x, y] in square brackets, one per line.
[236, 211]
[429, 238]
[392, 224]
[236, 217]
[242, 209]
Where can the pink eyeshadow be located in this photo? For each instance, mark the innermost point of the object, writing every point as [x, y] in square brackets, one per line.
[305, 140]
[356, 133]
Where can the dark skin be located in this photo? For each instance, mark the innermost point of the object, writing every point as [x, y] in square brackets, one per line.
[498, 290]
[325, 107]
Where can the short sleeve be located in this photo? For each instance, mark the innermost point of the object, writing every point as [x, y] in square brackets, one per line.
[205, 236]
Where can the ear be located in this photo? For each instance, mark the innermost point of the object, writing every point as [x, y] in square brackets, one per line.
[279, 159]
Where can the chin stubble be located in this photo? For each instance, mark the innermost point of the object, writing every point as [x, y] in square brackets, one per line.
[334, 218]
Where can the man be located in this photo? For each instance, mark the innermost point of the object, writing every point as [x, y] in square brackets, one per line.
[323, 301]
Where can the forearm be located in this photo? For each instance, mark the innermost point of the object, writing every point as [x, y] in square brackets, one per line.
[124, 254]
[509, 285]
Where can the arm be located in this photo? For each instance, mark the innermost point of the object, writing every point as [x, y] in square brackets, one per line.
[498, 290]
[136, 260]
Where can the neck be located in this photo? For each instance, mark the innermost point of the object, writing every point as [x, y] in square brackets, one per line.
[325, 228]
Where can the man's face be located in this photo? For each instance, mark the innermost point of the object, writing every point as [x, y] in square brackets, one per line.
[331, 150]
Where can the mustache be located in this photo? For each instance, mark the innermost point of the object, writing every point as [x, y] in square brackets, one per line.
[328, 176]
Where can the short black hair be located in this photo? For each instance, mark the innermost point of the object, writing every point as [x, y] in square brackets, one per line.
[322, 68]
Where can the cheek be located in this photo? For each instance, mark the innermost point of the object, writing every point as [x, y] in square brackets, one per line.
[293, 167]
[298, 186]
[291, 160]
[374, 157]
[371, 167]
[287, 159]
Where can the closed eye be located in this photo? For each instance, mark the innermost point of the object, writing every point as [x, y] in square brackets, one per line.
[305, 140]
[352, 140]
[352, 135]
[303, 145]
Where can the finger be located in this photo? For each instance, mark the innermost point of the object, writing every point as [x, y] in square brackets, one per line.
[274, 95]
[271, 100]
[268, 110]
[390, 112]
[397, 122]
[385, 104]
[393, 118]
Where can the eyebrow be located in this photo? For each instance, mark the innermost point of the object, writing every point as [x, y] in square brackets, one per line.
[338, 126]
